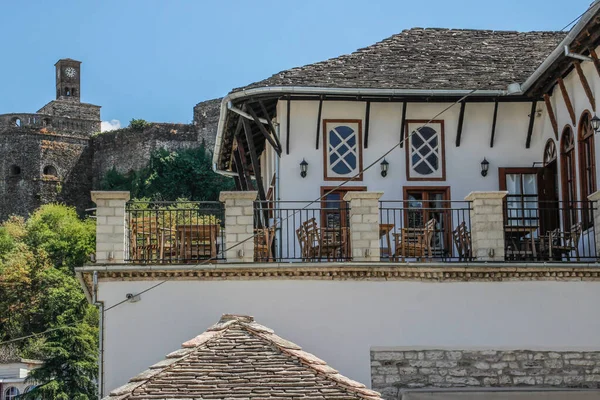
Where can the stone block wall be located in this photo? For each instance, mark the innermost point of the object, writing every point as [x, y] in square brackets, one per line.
[110, 226]
[392, 370]
[239, 225]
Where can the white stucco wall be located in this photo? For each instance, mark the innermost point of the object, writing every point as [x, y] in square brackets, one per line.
[462, 163]
[340, 321]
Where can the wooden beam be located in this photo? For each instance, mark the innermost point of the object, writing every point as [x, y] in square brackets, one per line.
[263, 130]
[254, 159]
[531, 123]
[461, 118]
[595, 60]
[565, 95]
[271, 126]
[319, 122]
[585, 84]
[237, 182]
[367, 118]
[551, 115]
[240, 165]
[287, 134]
[403, 123]
[494, 123]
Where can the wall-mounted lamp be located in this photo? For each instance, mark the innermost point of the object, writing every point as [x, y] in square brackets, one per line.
[303, 168]
[485, 165]
[384, 167]
[596, 124]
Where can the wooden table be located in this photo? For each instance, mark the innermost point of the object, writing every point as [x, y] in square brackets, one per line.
[519, 232]
[192, 238]
[385, 230]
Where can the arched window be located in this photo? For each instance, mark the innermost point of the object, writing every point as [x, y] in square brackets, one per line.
[16, 121]
[587, 165]
[67, 92]
[50, 170]
[567, 166]
[549, 152]
[11, 393]
[15, 170]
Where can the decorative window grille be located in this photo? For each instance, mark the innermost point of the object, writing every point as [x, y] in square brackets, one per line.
[425, 151]
[343, 149]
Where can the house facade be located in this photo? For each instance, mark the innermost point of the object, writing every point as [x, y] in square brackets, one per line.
[420, 213]
[13, 375]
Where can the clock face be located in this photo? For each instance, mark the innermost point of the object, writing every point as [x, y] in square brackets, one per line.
[70, 72]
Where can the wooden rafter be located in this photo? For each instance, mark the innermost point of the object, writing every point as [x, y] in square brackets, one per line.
[461, 119]
[240, 157]
[319, 122]
[551, 115]
[403, 123]
[367, 120]
[263, 130]
[531, 123]
[585, 84]
[595, 60]
[268, 118]
[494, 123]
[254, 158]
[565, 95]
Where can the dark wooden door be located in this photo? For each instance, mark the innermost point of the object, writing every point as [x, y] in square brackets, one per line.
[548, 197]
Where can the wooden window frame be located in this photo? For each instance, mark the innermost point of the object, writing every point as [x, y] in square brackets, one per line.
[564, 183]
[334, 189]
[442, 144]
[326, 149]
[446, 233]
[587, 171]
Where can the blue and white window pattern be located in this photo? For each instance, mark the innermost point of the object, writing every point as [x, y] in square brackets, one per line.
[426, 151]
[343, 148]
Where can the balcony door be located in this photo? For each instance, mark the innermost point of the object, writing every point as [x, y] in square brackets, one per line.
[335, 211]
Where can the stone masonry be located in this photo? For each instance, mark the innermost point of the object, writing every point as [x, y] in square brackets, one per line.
[239, 225]
[487, 225]
[364, 223]
[392, 370]
[110, 226]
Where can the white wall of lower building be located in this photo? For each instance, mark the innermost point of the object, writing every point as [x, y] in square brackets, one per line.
[340, 321]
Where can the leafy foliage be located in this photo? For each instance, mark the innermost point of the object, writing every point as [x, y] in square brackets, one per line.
[139, 124]
[172, 175]
[38, 291]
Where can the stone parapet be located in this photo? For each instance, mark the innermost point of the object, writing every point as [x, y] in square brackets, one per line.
[487, 225]
[364, 225]
[394, 369]
[239, 225]
[110, 225]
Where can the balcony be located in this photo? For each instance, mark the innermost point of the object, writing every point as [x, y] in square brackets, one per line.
[486, 227]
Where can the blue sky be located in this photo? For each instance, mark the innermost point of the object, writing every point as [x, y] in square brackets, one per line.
[156, 59]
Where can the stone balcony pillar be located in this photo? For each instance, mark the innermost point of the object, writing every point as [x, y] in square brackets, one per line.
[487, 225]
[239, 225]
[110, 226]
[364, 225]
[595, 199]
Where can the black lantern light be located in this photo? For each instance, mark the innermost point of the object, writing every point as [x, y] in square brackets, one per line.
[485, 164]
[596, 124]
[303, 168]
[384, 167]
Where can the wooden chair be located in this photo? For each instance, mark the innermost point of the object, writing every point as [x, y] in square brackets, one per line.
[263, 244]
[414, 242]
[462, 241]
[145, 238]
[320, 245]
[564, 243]
[305, 249]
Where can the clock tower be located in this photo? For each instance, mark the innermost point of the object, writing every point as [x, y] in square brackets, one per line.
[68, 83]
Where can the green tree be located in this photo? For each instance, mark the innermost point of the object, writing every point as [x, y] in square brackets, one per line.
[172, 175]
[38, 291]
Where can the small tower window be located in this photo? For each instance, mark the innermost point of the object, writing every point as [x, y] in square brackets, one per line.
[17, 121]
[67, 92]
[15, 170]
[49, 170]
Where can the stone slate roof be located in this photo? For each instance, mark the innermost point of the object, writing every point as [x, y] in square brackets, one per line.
[238, 358]
[430, 58]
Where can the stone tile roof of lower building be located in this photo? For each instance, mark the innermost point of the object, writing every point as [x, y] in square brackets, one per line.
[238, 358]
[431, 59]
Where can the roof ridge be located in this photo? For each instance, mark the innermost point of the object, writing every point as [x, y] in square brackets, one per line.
[247, 323]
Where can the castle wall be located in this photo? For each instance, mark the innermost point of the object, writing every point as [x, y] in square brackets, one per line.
[206, 120]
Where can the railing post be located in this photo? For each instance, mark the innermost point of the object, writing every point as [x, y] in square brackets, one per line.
[239, 225]
[487, 225]
[364, 225]
[594, 198]
[110, 226]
